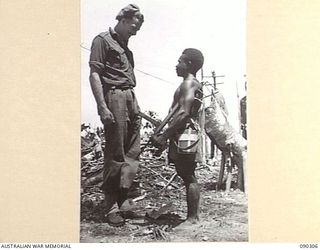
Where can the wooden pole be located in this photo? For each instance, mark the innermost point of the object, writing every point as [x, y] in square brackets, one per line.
[221, 172]
[214, 80]
[202, 131]
[238, 107]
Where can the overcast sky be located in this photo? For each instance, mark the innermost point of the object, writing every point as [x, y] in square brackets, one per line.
[216, 27]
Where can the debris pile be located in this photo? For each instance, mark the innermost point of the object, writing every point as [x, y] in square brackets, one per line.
[157, 200]
[155, 178]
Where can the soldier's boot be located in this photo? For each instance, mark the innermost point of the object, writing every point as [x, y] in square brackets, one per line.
[113, 216]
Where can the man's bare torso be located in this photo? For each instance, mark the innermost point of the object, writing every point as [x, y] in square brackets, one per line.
[189, 87]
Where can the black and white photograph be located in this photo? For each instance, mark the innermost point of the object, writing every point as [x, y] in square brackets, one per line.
[163, 121]
[157, 123]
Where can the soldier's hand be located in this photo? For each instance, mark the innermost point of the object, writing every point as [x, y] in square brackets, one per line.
[106, 116]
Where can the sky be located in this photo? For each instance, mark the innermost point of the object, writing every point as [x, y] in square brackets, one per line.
[215, 27]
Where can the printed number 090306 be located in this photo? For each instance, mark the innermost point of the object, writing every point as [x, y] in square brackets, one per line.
[308, 245]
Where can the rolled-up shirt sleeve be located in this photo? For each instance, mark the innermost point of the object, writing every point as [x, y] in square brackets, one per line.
[98, 54]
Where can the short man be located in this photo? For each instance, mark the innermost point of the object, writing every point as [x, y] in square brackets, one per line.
[112, 81]
[188, 97]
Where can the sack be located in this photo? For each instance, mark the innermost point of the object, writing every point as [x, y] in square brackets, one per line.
[187, 142]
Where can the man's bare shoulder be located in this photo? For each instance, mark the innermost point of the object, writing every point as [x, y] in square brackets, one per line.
[191, 83]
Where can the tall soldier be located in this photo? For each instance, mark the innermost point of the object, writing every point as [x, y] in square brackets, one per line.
[112, 82]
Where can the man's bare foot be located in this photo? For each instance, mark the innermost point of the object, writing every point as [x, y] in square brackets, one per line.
[192, 220]
[189, 223]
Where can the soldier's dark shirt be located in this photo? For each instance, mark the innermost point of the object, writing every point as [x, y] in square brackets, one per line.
[113, 60]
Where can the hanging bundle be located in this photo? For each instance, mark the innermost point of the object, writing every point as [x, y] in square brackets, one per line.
[224, 135]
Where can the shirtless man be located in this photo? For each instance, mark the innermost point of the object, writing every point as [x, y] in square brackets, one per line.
[188, 97]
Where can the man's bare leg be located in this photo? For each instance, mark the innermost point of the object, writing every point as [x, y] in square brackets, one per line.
[185, 169]
[193, 199]
[193, 204]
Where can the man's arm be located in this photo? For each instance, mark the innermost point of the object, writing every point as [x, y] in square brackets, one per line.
[181, 117]
[97, 60]
[106, 116]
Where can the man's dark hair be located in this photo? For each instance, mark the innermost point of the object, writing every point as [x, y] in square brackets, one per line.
[195, 57]
[129, 12]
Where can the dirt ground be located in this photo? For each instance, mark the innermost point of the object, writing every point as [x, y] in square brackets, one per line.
[160, 208]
